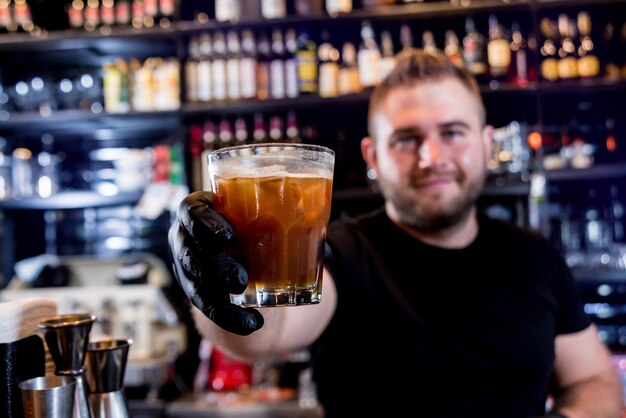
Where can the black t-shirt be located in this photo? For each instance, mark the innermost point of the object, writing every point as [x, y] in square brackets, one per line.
[434, 332]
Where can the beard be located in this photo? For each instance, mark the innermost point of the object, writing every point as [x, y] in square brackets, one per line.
[432, 213]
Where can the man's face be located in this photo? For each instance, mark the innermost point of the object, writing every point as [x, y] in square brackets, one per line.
[429, 153]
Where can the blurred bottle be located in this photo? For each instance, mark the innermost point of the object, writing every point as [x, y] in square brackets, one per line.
[291, 63]
[203, 68]
[349, 81]
[233, 65]
[293, 130]
[277, 65]
[588, 62]
[474, 51]
[227, 10]
[263, 70]
[521, 59]
[428, 42]
[334, 7]
[248, 65]
[191, 71]
[308, 7]
[329, 68]
[368, 57]
[452, 48]
[241, 131]
[307, 63]
[195, 152]
[273, 9]
[406, 36]
[219, 76]
[567, 53]
[388, 58]
[498, 51]
[549, 67]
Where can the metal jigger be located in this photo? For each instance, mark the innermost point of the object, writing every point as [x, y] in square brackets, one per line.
[106, 364]
[67, 337]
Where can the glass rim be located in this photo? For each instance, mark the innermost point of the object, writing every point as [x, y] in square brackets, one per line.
[310, 147]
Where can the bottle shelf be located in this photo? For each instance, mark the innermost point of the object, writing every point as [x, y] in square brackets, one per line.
[70, 200]
[596, 172]
[413, 11]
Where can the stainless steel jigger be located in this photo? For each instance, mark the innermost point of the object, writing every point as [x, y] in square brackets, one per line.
[67, 337]
[106, 364]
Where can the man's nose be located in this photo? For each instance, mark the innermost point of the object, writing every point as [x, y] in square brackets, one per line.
[428, 152]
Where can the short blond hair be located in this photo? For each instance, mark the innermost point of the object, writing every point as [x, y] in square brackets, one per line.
[415, 65]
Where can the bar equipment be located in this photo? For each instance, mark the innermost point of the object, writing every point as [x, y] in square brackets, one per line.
[104, 372]
[48, 396]
[67, 337]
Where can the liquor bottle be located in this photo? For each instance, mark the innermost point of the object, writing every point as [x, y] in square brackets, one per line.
[428, 42]
[191, 71]
[209, 143]
[137, 14]
[263, 67]
[209, 136]
[122, 12]
[334, 7]
[277, 65]
[75, 13]
[498, 51]
[233, 90]
[549, 67]
[292, 132]
[291, 63]
[368, 57]
[241, 131]
[588, 62]
[248, 65]
[151, 8]
[406, 36]
[167, 8]
[273, 9]
[308, 7]
[276, 129]
[218, 66]
[259, 133]
[567, 54]
[92, 15]
[520, 57]
[329, 68]
[227, 10]
[388, 59]
[203, 68]
[195, 151]
[474, 51]
[225, 135]
[307, 63]
[452, 48]
[107, 13]
[349, 81]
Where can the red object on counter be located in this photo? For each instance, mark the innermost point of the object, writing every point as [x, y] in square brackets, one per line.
[227, 373]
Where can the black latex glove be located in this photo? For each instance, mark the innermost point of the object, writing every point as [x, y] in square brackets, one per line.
[207, 275]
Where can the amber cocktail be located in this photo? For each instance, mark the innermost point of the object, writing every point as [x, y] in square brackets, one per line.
[277, 197]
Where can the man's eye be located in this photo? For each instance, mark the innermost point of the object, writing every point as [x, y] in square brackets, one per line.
[405, 143]
[452, 133]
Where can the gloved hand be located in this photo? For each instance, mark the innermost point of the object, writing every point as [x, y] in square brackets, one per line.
[207, 275]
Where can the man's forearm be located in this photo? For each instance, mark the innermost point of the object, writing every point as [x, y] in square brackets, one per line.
[597, 397]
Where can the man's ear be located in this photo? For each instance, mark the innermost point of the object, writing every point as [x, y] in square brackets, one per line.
[368, 151]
